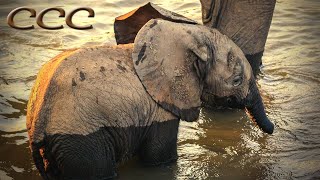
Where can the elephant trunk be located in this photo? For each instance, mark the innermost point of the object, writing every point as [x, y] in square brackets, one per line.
[255, 108]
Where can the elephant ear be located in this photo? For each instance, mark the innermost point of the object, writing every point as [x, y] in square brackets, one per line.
[128, 25]
[170, 63]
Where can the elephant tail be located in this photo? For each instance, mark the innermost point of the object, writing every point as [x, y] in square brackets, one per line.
[38, 159]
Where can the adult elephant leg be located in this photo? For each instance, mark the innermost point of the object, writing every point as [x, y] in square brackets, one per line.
[246, 22]
[160, 145]
[82, 156]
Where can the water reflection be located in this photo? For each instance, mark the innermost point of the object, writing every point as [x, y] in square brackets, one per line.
[221, 144]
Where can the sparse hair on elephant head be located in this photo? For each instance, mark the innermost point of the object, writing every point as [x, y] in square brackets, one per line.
[179, 63]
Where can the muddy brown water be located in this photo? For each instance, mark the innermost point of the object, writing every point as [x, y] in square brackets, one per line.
[222, 144]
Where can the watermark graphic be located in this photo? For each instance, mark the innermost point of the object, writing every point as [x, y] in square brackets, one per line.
[39, 18]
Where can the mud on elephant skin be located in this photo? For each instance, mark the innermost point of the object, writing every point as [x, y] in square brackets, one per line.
[95, 107]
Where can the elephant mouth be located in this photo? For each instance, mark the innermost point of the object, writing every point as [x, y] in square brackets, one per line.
[210, 100]
[252, 104]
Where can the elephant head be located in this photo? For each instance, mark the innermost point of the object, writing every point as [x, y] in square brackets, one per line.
[246, 22]
[180, 63]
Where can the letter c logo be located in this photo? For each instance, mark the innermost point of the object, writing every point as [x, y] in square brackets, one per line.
[17, 10]
[43, 12]
[69, 18]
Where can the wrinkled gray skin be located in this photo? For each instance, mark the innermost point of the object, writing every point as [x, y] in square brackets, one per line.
[92, 108]
[246, 22]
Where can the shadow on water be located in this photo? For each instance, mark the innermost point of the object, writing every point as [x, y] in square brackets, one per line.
[224, 146]
[222, 143]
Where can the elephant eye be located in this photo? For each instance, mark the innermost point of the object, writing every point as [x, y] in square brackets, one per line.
[237, 81]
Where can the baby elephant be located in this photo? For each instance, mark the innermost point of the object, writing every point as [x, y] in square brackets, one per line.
[92, 108]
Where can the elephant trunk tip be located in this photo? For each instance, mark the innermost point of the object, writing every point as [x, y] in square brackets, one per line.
[265, 125]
